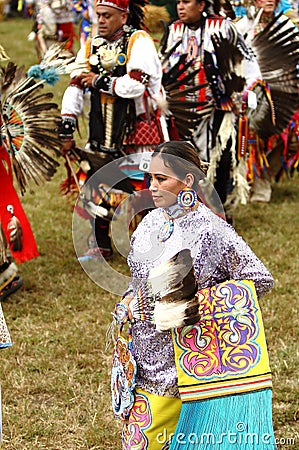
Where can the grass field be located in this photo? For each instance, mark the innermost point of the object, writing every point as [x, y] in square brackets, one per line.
[55, 378]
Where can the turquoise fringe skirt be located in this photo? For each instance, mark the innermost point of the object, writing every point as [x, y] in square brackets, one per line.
[235, 422]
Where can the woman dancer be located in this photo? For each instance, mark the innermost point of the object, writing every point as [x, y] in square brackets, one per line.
[203, 378]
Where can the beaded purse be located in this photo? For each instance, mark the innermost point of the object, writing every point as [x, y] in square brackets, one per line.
[124, 368]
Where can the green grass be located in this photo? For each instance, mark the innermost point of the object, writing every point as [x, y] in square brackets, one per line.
[55, 378]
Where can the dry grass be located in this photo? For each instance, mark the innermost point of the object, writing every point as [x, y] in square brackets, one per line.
[55, 378]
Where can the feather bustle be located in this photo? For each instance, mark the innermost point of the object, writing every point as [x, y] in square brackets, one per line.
[29, 128]
[277, 52]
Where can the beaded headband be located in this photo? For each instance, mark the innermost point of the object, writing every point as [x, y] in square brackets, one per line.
[122, 5]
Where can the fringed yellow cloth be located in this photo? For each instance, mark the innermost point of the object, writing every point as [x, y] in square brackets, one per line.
[226, 352]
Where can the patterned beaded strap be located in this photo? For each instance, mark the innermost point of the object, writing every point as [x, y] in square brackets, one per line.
[124, 368]
[121, 314]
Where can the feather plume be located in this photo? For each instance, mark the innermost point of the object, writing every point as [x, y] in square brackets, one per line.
[241, 191]
[162, 103]
[136, 15]
[55, 62]
[29, 123]
[11, 75]
[155, 17]
[3, 54]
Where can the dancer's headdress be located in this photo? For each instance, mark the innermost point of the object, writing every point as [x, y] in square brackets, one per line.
[133, 7]
[122, 5]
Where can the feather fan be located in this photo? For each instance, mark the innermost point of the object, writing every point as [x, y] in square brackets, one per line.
[168, 298]
[62, 60]
[277, 53]
[174, 286]
[28, 131]
[57, 61]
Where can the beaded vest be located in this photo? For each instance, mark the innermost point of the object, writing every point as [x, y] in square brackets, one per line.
[109, 114]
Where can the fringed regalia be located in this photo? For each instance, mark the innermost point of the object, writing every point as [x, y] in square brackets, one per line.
[204, 381]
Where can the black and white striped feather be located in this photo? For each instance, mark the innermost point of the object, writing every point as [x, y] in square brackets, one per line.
[181, 96]
[174, 287]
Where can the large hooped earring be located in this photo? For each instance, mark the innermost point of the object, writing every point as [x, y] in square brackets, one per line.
[187, 198]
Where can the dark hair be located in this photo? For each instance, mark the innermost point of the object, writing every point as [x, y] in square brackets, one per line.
[183, 159]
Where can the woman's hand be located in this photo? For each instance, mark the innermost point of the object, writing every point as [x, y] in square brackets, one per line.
[126, 301]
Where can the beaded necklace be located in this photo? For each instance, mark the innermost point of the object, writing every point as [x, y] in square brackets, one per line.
[170, 215]
[108, 54]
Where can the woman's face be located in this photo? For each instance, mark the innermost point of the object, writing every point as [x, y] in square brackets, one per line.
[190, 11]
[267, 5]
[164, 183]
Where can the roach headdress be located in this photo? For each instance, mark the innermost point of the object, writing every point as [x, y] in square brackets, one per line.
[135, 9]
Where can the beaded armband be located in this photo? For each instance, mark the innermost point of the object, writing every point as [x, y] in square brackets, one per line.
[139, 76]
[104, 83]
[67, 127]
